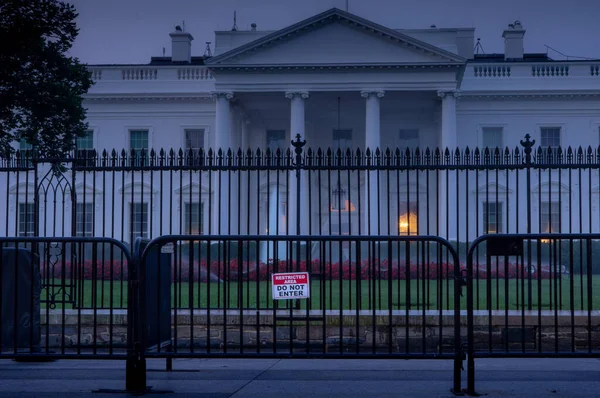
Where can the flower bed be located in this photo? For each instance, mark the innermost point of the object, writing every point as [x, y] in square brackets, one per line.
[252, 271]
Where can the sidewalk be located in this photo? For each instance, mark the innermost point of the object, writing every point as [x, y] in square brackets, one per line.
[305, 378]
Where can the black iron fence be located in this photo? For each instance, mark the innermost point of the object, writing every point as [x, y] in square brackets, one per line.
[458, 195]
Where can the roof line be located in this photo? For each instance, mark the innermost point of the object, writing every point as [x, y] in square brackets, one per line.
[323, 16]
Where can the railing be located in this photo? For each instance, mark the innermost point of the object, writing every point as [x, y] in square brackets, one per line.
[140, 74]
[491, 71]
[112, 73]
[196, 73]
[537, 70]
[550, 70]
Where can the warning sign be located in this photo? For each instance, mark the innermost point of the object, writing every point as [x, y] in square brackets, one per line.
[291, 285]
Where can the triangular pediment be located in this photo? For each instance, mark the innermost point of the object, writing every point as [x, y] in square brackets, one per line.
[335, 37]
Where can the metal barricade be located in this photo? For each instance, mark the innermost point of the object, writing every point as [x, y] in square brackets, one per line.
[41, 321]
[533, 296]
[303, 297]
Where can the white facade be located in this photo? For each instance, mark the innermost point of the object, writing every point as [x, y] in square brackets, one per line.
[379, 87]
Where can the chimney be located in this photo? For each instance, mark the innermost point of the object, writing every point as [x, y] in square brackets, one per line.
[181, 45]
[513, 41]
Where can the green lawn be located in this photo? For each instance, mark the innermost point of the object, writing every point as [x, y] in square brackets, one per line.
[378, 295]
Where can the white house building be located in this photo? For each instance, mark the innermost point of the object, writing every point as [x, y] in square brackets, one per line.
[339, 81]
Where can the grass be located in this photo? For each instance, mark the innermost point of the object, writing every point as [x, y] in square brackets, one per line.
[509, 294]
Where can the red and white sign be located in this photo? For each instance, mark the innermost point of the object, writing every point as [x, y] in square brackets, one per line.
[291, 286]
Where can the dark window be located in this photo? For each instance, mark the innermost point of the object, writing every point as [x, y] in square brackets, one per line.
[492, 217]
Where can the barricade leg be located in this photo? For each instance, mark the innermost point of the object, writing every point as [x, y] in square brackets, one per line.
[135, 377]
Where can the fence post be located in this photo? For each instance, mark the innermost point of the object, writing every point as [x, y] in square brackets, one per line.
[135, 368]
[298, 145]
[527, 145]
[470, 322]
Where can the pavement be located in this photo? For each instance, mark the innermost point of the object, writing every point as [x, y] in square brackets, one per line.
[304, 377]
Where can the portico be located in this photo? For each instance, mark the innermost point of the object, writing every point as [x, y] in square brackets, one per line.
[374, 118]
[339, 120]
[311, 80]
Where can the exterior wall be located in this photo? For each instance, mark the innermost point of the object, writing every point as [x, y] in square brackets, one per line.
[579, 119]
[165, 120]
[520, 97]
[576, 193]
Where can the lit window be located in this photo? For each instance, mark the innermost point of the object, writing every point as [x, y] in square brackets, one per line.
[339, 199]
[408, 219]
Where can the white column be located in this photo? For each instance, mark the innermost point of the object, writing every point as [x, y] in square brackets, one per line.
[223, 133]
[448, 140]
[372, 141]
[223, 223]
[297, 126]
[297, 119]
[245, 142]
[245, 200]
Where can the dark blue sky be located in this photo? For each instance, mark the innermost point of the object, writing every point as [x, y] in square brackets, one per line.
[131, 31]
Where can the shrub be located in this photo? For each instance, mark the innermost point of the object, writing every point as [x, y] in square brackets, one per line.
[242, 271]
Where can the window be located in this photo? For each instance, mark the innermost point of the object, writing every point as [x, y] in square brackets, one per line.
[194, 215]
[86, 142]
[492, 217]
[84, 219]
[407, 220]
[408, 139]
[492, 137]
[138, 143]
[550, 217]
[342, 139]
[276, 140]
[139, 220]
[550, 137]
[85, 149]
[25, 157]
[26, 219]
[194, 141]
[339, 199]
[24, 145]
